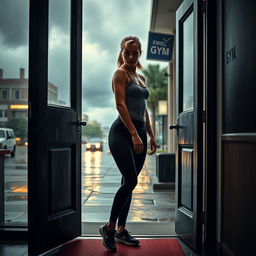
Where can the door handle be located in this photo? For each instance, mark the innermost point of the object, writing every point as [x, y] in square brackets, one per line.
[174, 126]
[81, 123]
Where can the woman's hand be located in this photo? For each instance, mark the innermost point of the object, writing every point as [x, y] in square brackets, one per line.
[137, 143]
[153, 146]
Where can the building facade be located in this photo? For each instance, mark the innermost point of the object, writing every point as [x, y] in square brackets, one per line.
[14, 97]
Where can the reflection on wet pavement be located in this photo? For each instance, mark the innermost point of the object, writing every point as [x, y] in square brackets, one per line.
[100, 181]
[16, 187]
[101, 184]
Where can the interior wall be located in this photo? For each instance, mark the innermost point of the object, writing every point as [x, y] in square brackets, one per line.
[219, 69]
[238, 126]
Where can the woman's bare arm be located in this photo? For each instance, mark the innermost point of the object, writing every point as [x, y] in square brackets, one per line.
[151, 135]
[149, 129]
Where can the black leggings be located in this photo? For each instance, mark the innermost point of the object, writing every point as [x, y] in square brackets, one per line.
[128, 162]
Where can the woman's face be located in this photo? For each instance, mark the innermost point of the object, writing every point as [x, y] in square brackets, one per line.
[131, 55]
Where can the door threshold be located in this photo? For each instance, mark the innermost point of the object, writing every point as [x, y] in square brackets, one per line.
[140, 229]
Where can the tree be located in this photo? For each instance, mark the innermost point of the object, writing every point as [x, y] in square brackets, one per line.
[93, 129]
[19, 126]
[157, 83]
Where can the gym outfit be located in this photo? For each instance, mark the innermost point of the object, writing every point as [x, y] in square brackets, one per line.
[128, 162]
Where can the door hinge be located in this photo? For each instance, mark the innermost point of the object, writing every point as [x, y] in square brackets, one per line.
[203, 6]
[203, 116]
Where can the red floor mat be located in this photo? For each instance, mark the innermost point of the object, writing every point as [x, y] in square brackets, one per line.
[148, 247]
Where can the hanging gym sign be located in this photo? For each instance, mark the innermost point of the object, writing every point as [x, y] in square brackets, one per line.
[160, 46]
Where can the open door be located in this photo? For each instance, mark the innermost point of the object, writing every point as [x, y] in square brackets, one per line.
[189, 126]
[54, 157]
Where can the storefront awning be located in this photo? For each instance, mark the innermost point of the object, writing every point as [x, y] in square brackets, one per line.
[163, 16]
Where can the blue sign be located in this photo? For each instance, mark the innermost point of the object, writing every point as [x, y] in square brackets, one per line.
[160, 46]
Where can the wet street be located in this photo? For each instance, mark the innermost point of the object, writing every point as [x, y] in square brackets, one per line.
[100, 180]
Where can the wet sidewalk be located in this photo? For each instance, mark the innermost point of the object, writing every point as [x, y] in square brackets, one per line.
[151, 212]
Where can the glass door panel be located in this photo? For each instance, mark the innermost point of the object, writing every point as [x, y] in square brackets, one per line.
[188, 63]
[59, 53]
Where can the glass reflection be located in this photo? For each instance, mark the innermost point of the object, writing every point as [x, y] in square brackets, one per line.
[188, 63]
[92, 162]
[91, 169]
[22, 189]
[16, 187]
[59, 53]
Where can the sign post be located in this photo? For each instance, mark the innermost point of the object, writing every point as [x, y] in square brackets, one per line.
[160, 46]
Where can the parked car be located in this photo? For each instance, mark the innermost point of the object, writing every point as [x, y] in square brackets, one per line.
[94, 144]
[8, 140]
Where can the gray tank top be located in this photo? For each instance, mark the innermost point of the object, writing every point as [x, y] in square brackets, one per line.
[135, 100]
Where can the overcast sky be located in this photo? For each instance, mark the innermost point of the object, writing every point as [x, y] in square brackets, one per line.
[105, 23]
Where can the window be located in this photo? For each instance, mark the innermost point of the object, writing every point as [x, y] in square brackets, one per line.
[9, 134]
[16, 114]
[3, 113]
[17, 94]
[4, 95]
[2, 134]
[12, 134]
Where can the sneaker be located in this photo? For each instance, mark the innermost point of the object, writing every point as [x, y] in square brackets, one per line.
[125, 238]
[108, 237]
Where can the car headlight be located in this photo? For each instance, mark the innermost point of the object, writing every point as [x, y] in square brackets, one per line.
[97, 145]
[88, 145]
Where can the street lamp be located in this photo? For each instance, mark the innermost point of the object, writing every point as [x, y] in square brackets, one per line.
[162, 111]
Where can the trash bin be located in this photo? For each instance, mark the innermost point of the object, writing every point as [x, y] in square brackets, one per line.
[165, 167]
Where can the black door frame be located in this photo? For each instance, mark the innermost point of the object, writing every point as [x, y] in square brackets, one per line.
[38, 108]
[210, 45]
[195, 6]
[16, 232]
[20, 233]
[211, 42]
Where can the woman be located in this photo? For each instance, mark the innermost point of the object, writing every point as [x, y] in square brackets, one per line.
[127, 138]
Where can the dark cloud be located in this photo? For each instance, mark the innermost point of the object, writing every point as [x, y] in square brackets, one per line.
[97, 89]
[108, 23]
[97, 99]
[59, 15]
[14, 20]
[105, 23]
[12, 59]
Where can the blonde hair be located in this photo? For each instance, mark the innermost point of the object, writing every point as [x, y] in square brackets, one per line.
[126, 41]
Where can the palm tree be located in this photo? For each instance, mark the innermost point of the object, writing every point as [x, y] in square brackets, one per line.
[156, 81]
